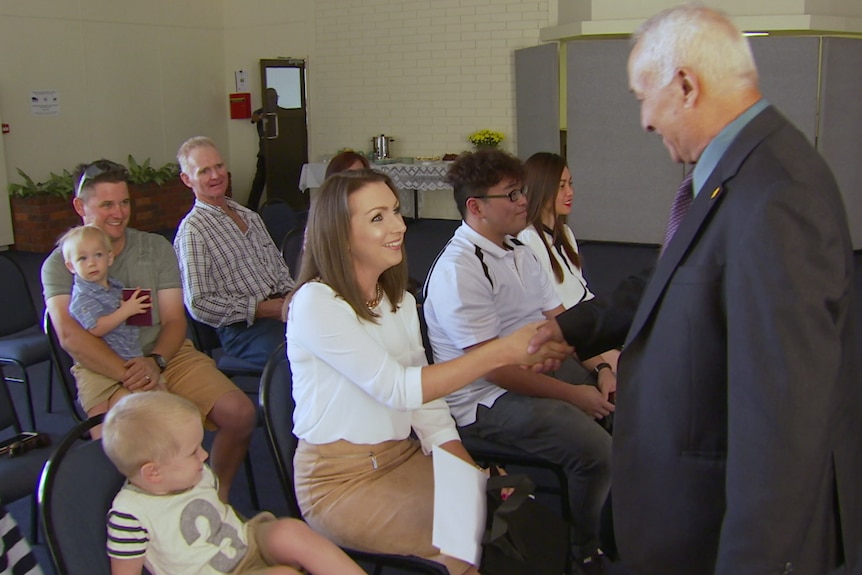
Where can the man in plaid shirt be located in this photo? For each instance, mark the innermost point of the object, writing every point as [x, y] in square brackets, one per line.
[234, 277]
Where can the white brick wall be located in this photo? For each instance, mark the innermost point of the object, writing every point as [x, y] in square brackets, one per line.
[427, 73]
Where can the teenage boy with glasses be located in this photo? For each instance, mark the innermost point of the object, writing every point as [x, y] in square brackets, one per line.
[484, 285]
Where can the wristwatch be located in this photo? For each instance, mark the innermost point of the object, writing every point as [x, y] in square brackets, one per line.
[602, 366]
[160, 361]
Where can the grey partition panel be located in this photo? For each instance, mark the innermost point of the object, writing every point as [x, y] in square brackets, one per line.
[788, 68]
[840, 135]
[624, 179]
[537, 99]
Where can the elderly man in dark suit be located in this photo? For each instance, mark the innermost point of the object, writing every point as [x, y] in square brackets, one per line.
[737, 438]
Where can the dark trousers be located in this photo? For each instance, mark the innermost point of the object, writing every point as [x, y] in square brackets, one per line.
[562, 434]
[252, 343]
[258, 183]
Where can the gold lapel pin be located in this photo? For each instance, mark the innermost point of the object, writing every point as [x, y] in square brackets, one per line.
[715, 193]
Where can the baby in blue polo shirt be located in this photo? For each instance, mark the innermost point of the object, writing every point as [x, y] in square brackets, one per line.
[97, 304]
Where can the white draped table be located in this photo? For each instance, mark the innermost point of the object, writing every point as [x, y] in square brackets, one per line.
[410, 179]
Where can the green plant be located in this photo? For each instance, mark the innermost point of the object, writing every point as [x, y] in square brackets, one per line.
[63, 185]
[57, 185]
[144, 173]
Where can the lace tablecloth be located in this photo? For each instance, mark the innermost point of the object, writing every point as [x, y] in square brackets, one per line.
[410, 179]
[422, 177]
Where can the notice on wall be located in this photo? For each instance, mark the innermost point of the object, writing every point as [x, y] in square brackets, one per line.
[45, 102]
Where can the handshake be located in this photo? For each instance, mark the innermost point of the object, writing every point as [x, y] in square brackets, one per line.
[539, 346]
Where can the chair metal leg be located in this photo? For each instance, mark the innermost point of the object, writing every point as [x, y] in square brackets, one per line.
[28, 394]
[252, 489]
[34, 520]
[50, 403]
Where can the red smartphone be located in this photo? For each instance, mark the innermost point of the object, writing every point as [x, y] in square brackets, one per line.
[142, 319]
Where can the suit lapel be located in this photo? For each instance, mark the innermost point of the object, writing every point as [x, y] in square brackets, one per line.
[698, 216]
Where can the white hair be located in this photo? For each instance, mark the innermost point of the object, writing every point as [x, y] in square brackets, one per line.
[186, 150]
[696, 37]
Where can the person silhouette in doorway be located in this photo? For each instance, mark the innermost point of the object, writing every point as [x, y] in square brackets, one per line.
[270, 104]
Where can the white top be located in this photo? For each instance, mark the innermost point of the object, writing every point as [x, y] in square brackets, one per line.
[573, 289]
[176, 533]
[477, 291]
[357, 380]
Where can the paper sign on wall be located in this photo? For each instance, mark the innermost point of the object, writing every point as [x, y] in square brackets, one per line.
[45, 102]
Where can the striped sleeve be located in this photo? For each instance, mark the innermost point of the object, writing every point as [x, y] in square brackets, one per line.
[126, 537]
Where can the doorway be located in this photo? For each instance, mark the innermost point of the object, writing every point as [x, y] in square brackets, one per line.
[285, 130]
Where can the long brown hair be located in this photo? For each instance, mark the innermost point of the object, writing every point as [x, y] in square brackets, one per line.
[327, 255]
[542, 173]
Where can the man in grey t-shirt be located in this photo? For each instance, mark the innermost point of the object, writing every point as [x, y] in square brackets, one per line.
[147, 261]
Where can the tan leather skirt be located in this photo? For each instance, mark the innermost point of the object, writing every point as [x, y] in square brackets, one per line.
[377, 498]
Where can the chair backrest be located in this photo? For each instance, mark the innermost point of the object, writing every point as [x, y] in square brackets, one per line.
[291, 249]
[76, 489]
[64, 362]
[279, 218]
[19, 313]
[423, 332]
[19, 473]
[8, 415]
[276, 407]
[204, 337]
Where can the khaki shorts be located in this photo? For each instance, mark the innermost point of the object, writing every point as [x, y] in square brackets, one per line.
[255, 560]
[94, 388]
[189, 374]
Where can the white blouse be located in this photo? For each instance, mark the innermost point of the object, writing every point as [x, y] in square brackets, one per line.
[573, 289]
[357, 380]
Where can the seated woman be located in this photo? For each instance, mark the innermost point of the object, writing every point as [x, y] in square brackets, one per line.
[361, 381]
[346, 161]
[549, 201]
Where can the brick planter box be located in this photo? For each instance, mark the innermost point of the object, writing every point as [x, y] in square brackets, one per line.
[156, 208]
[38, 221]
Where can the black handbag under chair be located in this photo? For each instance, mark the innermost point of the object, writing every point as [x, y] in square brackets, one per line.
[522, 536]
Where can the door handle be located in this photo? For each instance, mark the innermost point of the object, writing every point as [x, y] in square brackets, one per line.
[270, 125]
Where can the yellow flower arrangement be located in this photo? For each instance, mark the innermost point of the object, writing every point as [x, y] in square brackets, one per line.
[486, 138]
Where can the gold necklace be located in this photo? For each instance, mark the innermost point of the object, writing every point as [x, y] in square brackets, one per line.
[378, 295]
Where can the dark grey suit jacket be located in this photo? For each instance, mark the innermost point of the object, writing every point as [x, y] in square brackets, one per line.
[737, 438]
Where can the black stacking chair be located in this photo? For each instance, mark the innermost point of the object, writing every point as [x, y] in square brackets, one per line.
[19, 474]
[22, 342]
[276, 404]
[64, 362]
[291, 249]
[76, 489]
[279, 218]
[205, 338]
[243, 374]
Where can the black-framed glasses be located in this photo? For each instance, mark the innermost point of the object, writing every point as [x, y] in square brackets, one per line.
[513, 196]
[98, 168]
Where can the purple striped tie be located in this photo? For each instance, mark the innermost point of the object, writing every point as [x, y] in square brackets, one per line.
[681, 202]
